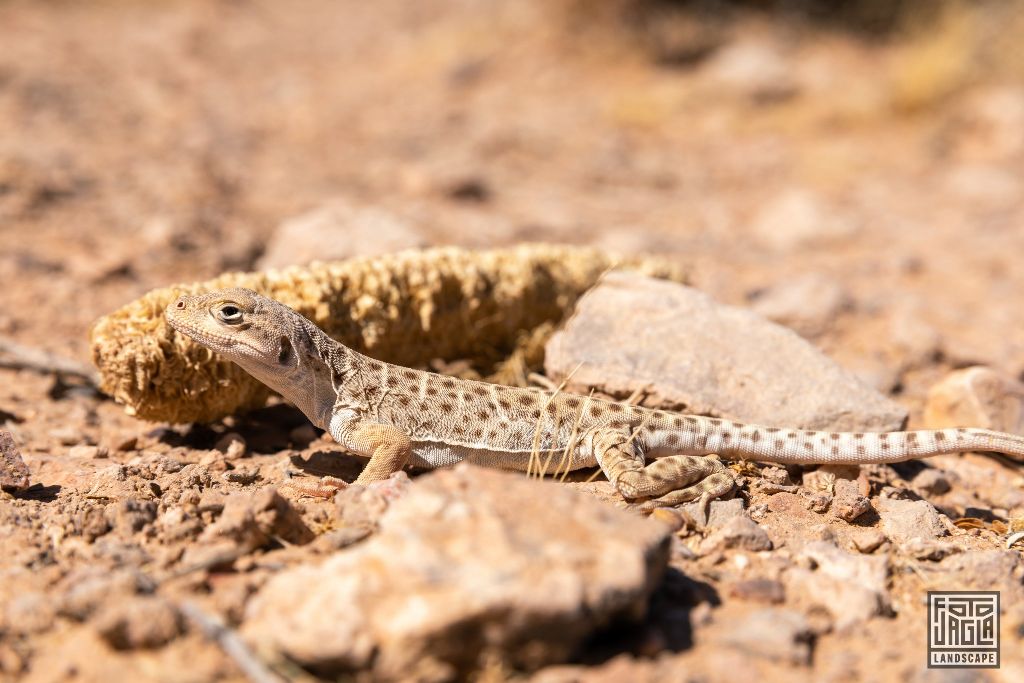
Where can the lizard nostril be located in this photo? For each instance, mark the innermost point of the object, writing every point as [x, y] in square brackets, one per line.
[180, 304]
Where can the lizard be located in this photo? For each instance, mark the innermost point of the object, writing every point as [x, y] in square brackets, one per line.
[398, 416]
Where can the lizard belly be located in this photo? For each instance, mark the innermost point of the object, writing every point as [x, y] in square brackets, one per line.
[440, 454]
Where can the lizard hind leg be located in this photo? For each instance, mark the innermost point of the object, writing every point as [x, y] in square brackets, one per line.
[667, 481]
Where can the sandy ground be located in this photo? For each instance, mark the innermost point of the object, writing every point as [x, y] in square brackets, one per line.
[143, 143]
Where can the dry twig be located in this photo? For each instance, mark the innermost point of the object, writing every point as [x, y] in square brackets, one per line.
[18, 357]
[228, 641]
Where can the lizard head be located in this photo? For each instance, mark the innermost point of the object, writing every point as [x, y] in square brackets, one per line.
[239, 324]
[267, 339]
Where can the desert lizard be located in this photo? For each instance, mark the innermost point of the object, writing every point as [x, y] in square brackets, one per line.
[397, 416]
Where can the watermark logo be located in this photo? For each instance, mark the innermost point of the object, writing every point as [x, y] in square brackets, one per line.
[963, 629]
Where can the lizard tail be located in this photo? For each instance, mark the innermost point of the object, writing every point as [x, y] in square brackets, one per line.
[795, 446]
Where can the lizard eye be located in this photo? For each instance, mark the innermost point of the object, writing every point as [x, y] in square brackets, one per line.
[229, 314]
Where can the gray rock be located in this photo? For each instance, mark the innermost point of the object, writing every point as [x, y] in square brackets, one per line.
[14, 473]
[139, 622]
[983, 570]
[691, 353]
[338, 230]
[719, 512]
[469, 566]
[739, 532]
[906, 520]
[931, 482]
[851, 587]
[930, 549]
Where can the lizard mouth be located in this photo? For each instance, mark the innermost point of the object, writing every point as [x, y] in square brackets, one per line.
[196, 333]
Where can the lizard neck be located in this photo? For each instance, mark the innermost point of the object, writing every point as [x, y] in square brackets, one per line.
[314, 376]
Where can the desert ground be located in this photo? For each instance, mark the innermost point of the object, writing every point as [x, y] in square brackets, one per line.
[854, 173]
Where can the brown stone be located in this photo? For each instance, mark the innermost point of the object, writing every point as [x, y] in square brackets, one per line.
[976, 397]
[469, 566]
[688, 352]
[14, 473]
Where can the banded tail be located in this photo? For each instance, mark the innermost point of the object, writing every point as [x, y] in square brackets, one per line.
[796, 446]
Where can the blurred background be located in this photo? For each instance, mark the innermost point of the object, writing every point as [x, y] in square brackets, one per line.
[851, 168]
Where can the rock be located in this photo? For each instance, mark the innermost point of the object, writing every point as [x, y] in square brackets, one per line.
[719, 512]
[87, 590]
[128, 443]
[929, 549]
[242, 475]
[776, 475]
[868, 540]
[976, 397]
[631, 332]
[796, 218]
[67, 436]
[250, 521]
[211, 500]
[14, 473]
[759, 590]
[338, 230]
[931, 482]
[741, 533]
[850, 587]
[362, 506]
[848, 503]
[905, 520]
[29, 612]
[139, 622]
[819, 502]
[984, 570]
[773, 633]
[232, 445]
[131, 515]
[808, 305]
[92, 523]
[470, 566]
[88, 452]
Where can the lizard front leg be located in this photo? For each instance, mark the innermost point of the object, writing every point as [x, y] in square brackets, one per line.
[387, 446]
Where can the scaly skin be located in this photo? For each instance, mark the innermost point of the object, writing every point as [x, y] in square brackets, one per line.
[398, 416]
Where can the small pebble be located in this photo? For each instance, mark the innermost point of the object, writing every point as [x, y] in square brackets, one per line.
[88, 452]
[232, 445]
[242, 475]
[819, 502]
[127, 444]
[868, 540]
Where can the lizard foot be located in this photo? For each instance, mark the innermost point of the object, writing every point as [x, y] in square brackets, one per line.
[326, 487]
